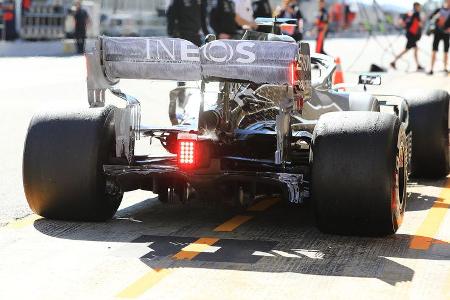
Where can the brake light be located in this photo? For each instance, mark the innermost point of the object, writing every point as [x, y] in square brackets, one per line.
[293, 75]
[187, 150]
[187, 153]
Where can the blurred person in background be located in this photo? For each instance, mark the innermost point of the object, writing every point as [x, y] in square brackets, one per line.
[441, 33]
[81, 21]
[222, 19]
[243, 10]
[262, 9]
[26, 4]
[185, 19]
[349, 15]
[291, 10]
[336, 16]
[9, 21]
[412, 22]
[322, 22]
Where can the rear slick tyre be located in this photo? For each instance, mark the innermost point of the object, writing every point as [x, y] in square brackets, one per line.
[428, 124]
[63, 160]
[359, 173]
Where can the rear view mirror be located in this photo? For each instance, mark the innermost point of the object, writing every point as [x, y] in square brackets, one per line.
[369, 79]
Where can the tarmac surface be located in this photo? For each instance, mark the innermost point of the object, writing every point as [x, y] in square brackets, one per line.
[204, 250]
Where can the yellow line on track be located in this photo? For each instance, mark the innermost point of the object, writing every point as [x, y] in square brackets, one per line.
[233, 223]
[24, 222]
[199, 245]
[264, 204]
[140, 286]
[150, 279]
[424, 236]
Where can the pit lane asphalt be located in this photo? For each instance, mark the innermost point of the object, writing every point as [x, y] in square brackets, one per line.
[271, 253]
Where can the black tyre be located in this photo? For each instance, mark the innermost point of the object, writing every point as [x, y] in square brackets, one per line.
[63, 162]
[164, 195]
[359, 173]
[428, 124]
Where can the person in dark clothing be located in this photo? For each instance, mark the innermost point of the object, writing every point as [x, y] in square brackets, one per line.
[26, 4]
[222, 19]
[244, 19]
[291, 10]
[261, 9]
[322, 21]
[347, 13]
[413, 26]
[185, 18]
[441, 33]
[81, 20]
[9, 20]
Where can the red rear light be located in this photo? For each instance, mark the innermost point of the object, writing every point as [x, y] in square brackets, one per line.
[293, 73]
[187, 153]
[187, 150]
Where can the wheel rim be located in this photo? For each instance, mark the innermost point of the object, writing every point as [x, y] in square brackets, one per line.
[398, 192]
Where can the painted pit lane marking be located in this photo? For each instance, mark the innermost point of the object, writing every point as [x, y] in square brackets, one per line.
[161, 248]
[24, 222]
[196, 247]
[192, 250]
[238, 220]
[201, 249]
[264, 204]
[215, 250]
[233, 223]
[144, 283]
[424, 236]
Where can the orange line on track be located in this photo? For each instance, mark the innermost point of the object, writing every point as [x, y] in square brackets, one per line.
[140, 286]
[424, 236]
[264, 204]
[233, 223]
[201, 242]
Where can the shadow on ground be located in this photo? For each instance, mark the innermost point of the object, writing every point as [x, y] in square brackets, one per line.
[281, 239]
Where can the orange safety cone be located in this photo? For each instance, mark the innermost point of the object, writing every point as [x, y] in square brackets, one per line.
[338, 74]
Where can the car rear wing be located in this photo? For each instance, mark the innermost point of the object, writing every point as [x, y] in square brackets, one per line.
[150, 58]
[261, 62]
[249, 61]
[162, 58]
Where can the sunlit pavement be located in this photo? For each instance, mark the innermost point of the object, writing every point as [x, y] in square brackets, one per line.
[204, 250]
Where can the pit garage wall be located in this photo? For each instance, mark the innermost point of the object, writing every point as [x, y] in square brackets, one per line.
[146, 6]
[91, 6]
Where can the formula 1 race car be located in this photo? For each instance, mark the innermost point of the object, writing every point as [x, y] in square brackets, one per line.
[268, 128]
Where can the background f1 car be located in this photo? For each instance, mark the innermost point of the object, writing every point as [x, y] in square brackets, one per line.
[269, 129]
